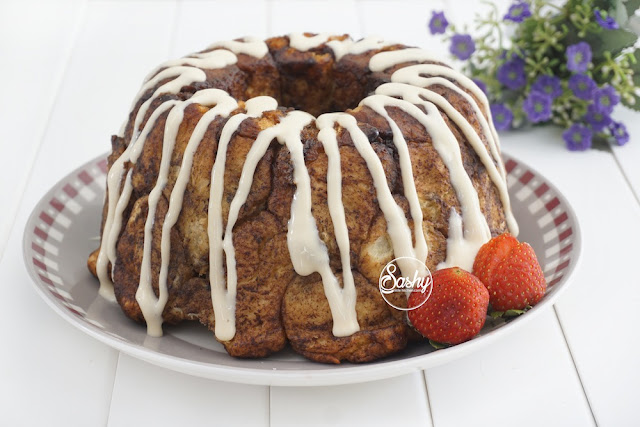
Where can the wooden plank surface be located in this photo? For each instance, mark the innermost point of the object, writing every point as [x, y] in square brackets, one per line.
[395, 401]
[530, 372]
[198, 23]
[316, 16]
[34, 54]
[144, 394]
[594, 312]
[53, 374]
[628, 156]
[403, 21]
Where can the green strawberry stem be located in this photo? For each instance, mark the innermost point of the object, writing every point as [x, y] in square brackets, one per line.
[437, 345]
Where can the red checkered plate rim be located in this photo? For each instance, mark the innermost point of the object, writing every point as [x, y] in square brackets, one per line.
[63, 230]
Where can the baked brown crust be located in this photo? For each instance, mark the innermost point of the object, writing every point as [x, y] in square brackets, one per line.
[274, 305]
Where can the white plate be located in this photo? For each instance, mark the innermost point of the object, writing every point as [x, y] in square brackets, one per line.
[63, 230]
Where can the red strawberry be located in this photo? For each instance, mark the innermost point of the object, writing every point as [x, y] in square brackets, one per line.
[491, 254]
[511, 272]
[456, 310]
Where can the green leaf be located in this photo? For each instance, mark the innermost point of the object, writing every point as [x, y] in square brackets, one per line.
[613, 41]
[636, 106]
[621, 10]
[636, 81]
[513, 313]
[508, 313]
[635, 66]
[631, 6]
[437, 345]
[601, 142]
[605, 4]
[620, 14]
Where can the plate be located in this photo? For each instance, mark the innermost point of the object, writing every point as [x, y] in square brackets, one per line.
[63, 230]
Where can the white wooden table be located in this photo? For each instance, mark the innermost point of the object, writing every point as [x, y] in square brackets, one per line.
[68, 71]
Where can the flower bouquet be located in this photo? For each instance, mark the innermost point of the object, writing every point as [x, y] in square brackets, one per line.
[541, 63]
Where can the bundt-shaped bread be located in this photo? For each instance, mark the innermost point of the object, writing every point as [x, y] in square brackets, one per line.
[261, 187]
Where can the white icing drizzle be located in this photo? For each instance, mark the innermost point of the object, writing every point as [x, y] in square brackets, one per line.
[303, 43]
[383, 60]
[151, 306]
[476, 230]
[251, 46]
[344, 300]
[183, 76]
[459, 250]
[116, 220]
[186, 71]
[214, 59]
[308, 253]
[349, 47]
[223, 298]
[397, 225]
[412, 76]
[117, 201]
[340, 48]
[378, 104]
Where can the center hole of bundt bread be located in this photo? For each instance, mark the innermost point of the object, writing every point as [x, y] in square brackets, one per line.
[311, 81]
[315, 83]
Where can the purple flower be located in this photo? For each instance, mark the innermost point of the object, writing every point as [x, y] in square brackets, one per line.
[511, 74]
[502, 116]
[537, 106]
[606, 21]
[462, 46]
[582, 86]
[438, 23]
[619, 132]
[605, 99]
[577, 137]
[518, 12]
[598, 120]
[578, 57]
[549, 85]
[480, 84]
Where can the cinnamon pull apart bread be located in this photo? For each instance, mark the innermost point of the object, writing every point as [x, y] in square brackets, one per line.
[260, 187]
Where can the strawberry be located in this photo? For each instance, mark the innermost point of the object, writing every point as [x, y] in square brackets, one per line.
[511, 272]
[491, 254]
[456, 310]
